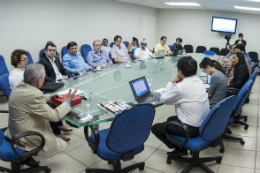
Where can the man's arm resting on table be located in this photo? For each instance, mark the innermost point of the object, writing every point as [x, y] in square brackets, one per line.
[117, 60]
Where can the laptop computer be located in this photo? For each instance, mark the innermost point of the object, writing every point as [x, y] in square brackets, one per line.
[160, 54]
[175, 52]
[51, 86]
[142, 91]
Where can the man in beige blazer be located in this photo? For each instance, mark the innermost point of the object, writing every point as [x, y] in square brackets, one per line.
[28, 111]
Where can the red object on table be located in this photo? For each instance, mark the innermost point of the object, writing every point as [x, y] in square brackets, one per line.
[58, 101]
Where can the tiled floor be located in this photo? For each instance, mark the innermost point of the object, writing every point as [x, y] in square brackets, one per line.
[236, 159]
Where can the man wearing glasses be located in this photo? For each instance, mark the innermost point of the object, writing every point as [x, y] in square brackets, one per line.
[118, 53]
[53, 67]
[142, 53]
[98, 57]
[106, 47]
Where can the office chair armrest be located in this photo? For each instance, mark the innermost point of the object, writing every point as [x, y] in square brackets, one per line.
[95, 131]
[174, 141]
[4, 111]
[29, 153]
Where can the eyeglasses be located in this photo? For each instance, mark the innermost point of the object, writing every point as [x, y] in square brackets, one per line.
[52, 50]
[25, 59]
[98, 45]
[143, 44]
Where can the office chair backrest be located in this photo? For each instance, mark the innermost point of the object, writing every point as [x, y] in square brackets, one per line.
[85, 50]
[133, 52]
[130, 128]
[253, 56]
[224, 52]
[41, 53]
[216, 121]
[3, 67]
[112, 44]
[188, 48]
[4, 83]
[211, 53]
[126, 43]
[215, 49]
[30, 60]
[243, 93]
[64, 51]
[137, 44]
[201, 49]
[253, 78]
[1, 137]
[170, 47]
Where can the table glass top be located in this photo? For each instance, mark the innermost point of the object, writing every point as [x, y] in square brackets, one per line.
[113, 83]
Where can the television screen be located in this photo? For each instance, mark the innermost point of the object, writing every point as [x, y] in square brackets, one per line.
[220, 24]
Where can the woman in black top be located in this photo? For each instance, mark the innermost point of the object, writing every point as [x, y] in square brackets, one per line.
[241, 75]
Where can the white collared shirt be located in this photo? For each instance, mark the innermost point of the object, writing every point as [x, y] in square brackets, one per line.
[15, 76]
[56, 70]
[190, 100]
[107, 49]
[143, 54]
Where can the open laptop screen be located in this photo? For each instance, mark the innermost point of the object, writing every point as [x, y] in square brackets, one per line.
[139, 87]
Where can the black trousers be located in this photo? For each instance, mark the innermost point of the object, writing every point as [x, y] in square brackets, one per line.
[158, 131]
[55, 128]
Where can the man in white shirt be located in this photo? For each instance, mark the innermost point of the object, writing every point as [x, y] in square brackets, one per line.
[106, 46]
[142, 53]
[187, 92]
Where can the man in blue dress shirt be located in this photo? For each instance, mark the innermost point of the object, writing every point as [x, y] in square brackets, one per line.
[178, 46]
[98, 57]
[73, 61]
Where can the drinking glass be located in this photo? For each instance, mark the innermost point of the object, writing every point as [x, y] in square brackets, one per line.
[150, 81]
[65, 81]
[88, 95]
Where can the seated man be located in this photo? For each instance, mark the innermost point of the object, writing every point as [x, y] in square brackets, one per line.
[229, 55]
[142, 53]
[118, 53]
[241, 39]
[98, 57]
[73, 61]
[52, 65]
[106, 46]
[28, 111]
[187, 93]
[178, 46]
[162, 45]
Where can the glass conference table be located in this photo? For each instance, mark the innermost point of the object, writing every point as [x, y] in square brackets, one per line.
[113, 83]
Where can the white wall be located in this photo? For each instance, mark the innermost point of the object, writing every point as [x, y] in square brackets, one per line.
[29, 24]
[194, 27]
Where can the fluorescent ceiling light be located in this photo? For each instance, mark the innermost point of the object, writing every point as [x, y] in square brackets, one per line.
[182, 3]
[254, 0]
[247, 8]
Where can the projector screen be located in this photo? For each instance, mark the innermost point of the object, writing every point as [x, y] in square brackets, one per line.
[227, 25]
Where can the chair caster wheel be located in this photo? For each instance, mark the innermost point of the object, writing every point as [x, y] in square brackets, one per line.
[221, 150]
[229, 132]
[242, 142]
[48, 170]
[191, 152]
[141, 168]
[245, 119]
[168, 161]
[246, 127]
[219, 160]
[109, 162]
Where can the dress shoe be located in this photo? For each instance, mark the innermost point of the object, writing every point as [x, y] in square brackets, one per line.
[178, 152]
[63, 137]
[31, 162]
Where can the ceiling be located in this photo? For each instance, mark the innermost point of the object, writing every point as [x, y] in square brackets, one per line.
[219, 5]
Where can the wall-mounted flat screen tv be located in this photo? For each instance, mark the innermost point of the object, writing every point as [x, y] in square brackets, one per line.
[221, 24]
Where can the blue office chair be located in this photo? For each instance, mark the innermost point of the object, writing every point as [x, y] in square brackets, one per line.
[41, 53]
[124, 139]
[211, 128]
[4, 84]
[170, 47]
[17, 157]
[235, 115]
[253, 76]
[64, 51]
[30, 60]
[248, 57]
[85, 50]
[3, 67]
[133, 53]
[137, 44]
[112, 44]
[126, 43]
[211, 53]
